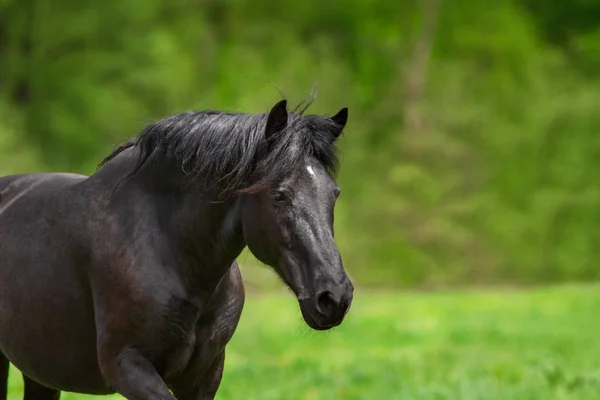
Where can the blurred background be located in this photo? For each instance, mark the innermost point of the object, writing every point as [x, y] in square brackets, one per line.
[470, 157]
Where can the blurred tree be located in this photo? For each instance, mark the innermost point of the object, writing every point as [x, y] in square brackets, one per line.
[498, 186]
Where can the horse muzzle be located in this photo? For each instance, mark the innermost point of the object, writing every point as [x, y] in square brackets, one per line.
[328, 307]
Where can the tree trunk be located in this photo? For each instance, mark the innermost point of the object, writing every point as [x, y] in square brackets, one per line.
[416, 78]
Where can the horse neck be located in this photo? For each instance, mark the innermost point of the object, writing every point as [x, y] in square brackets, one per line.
[205, 236]
[208, 239]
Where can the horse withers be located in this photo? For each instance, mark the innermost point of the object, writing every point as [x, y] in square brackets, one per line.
[126, 281]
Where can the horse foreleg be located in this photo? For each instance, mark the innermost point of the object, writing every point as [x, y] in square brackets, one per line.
[204, 387]
[36, 391]
[4, 365]
[133, 376]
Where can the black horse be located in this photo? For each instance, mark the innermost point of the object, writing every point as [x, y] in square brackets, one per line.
[126, 281]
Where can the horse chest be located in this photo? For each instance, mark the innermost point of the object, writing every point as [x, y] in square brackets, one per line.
[193, 336]
[195, 340]
[178, 356]
[178, 335]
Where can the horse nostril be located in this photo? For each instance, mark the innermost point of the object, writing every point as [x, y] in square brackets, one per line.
[326, 303]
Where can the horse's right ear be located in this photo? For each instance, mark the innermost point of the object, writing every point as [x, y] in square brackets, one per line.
[277, 120]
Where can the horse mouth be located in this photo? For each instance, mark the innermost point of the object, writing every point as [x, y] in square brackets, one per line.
[312, 319]
[292, 275]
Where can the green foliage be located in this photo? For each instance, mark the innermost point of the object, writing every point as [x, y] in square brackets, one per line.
[487, 346]
[497, 184]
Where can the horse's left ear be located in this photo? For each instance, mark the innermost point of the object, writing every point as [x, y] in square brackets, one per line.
[341, 118]
[278, 119]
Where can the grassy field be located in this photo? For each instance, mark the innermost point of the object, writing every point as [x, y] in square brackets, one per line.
[494, 345]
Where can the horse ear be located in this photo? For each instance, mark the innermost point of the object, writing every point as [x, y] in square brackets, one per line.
[341, 118]
[277, 120]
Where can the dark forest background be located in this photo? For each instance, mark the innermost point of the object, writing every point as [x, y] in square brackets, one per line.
[473, 146]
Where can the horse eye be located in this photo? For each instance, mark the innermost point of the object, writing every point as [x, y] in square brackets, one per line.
[277, 196]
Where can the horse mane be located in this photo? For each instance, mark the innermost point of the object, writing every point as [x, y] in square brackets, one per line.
[228, 152]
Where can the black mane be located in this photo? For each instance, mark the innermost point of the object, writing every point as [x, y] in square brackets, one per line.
[227, 152]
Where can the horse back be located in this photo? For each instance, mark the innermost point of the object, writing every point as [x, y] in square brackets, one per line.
[15, 187]
[39, 214]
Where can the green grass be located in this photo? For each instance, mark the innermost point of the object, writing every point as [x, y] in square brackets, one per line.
[495, 345]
